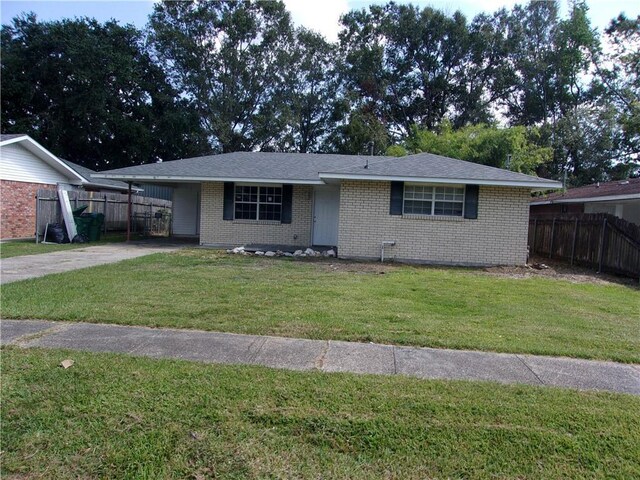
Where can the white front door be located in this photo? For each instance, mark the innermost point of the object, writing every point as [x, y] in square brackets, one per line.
[186, 209]
[326, 209]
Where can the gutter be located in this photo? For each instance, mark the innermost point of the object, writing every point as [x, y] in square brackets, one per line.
[605, 198]
[185, 179]
[542, 185]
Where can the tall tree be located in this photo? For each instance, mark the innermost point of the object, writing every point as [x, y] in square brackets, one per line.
[364, 80]
[310, 96]
[533, 28]
[550, 60]
[409, 66]
[230, 59]
[90, 93]
[406, 65]
[618, 82]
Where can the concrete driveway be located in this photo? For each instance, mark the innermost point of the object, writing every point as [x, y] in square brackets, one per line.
[24, 267]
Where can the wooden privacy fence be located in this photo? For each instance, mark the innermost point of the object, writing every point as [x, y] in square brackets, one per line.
[597, 240]
[112, 205]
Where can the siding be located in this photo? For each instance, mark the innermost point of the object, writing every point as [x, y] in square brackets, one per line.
[216, 231]
[497, 237]
[149, 190]
[20, 165]
[631, 212]
[186, 206]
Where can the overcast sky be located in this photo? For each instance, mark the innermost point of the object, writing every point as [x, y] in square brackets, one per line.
[319, 15]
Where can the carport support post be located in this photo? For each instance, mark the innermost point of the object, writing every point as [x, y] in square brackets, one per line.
[129, 212]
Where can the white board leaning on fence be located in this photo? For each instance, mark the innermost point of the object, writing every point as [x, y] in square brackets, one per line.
[67, 214]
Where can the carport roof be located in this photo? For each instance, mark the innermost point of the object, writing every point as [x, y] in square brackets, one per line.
[105, 183]
[307, 168]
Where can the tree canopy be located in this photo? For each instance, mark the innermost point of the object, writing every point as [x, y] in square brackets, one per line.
[92, 94]
[550, 92]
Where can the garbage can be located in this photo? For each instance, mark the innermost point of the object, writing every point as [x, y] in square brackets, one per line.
[79, 211]
[83, 225]
[95, 228]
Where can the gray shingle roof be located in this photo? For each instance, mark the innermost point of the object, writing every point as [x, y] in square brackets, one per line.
[311, 168]
[8, 136]
[427, 165]
[103, 182]
[256, 165]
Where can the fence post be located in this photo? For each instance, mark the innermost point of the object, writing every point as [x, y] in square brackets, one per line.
[104, 212]
[575, 238]
[37, 215]
[535, 232]
[150, 225]
[129, 212]
[602, 239]
[553, 230]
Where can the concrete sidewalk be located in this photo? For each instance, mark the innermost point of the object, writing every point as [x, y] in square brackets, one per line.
[31, 266]
[326, 356]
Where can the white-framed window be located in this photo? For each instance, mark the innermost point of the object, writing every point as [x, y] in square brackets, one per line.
[258, 202]
[433, 200]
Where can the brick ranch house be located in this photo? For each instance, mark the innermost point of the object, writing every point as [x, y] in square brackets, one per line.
[434, 209]
[26, 167]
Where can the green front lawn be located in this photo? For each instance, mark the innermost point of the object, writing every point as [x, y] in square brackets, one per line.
[437, 307]
[111, 416]
[16, 248]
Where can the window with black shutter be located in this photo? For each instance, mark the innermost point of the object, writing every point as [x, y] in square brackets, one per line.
[257, 202]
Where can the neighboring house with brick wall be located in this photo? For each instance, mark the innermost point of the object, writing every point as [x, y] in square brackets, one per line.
[26, 167]
[433, 209]
[620, 198]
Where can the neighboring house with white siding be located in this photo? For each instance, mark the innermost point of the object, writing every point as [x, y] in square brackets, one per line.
[433, 209]
[26, 167]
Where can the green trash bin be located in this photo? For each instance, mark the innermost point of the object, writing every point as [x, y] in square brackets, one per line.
[88, 225]
[82, 222]
[97, 220]
[83, 225]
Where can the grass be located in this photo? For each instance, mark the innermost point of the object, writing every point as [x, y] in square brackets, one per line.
[113, 416]
[16, 248]
[437, 307]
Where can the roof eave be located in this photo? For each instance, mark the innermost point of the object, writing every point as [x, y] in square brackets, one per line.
[540, 185]
[112, 187]
[187, 179]
[46, 156]
[13, 140]
[603, 198]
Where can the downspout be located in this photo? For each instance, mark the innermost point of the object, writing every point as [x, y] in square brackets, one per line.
[389, 243]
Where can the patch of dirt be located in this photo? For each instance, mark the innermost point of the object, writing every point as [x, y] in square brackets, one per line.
[546, 267]
[372, 268]
[537, 267]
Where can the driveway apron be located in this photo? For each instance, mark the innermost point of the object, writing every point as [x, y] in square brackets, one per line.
[24, 267]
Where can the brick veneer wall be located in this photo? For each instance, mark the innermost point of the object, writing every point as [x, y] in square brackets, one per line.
[497, 237]
[18, 208]
[216, 231]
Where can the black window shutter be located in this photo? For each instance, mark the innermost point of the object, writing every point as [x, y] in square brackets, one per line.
[471, 201]
[287, 195]
[227, 213]
[397, 194]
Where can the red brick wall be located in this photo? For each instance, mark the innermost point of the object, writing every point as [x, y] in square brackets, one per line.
[18, 208]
